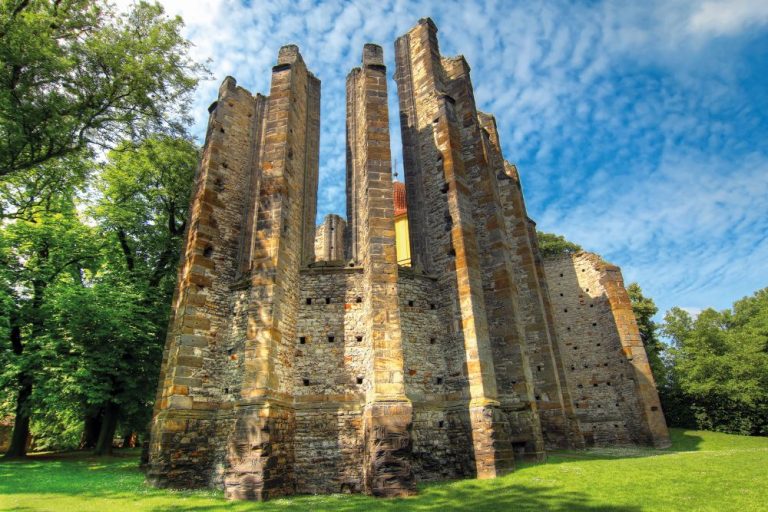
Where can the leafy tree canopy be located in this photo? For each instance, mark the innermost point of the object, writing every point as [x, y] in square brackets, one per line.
[720, 362]
[645, 309]
[75, 74]
[551, 244]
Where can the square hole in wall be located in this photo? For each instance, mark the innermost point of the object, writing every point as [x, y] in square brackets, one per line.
[432, 341]
[358, 300]
[358, 338]
[226, 391]
[440, 424]
[359, 380]
[410, 303]
[305, 381]
[309, 301]
[327, 300]
[432, 306]
[331, 339]
[439, 380]
[229, 351]
[302, 340]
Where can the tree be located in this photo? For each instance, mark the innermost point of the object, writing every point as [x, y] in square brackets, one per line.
[142, 212]
[89, 304]
[76, 74]
[720, 360]
[38, 253]
[644, 309]
[555, 245]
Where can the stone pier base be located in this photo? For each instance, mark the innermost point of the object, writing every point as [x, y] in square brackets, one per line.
[387, 469]
[260, 453]
[494, 455]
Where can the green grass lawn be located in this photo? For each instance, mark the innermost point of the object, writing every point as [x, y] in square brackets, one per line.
[702, 471]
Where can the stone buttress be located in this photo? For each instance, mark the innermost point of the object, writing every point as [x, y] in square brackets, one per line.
[387, 416]
[224, 413]
[445, 243]
[558, 422]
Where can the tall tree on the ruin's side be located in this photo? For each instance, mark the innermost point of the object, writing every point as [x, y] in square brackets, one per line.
[551, 244]
[74, 76]
[78, 74]
[142, 213]
[39, 255]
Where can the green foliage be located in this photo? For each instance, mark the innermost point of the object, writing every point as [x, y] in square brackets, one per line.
[719, 362]
[93, 300]
[703, 471]
[76, 74]
[43, 254]
[645, 309]
[555, 245]
[88, 252]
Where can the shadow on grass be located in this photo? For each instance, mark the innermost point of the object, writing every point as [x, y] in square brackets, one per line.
[435, 497]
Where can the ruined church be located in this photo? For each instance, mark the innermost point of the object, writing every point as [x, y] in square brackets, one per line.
[422, 337]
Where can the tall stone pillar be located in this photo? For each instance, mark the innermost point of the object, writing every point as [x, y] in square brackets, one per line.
[260, 448]
[534, 311]
[188, 400]
[387, 416]
[443, 233]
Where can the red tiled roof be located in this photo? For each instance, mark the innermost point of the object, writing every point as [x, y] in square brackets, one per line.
[401, 205]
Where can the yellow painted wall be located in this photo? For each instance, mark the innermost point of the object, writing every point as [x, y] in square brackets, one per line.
[402, 240]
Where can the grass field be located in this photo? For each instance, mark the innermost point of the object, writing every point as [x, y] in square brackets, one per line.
[702, 471]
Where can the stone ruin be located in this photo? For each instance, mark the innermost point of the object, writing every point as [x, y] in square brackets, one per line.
[311, 362]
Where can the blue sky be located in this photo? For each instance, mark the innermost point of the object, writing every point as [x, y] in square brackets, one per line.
[639, 128]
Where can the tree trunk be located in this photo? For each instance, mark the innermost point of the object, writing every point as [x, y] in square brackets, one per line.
[129, 440]
[18, 447]
[107, 433]
[91, 430]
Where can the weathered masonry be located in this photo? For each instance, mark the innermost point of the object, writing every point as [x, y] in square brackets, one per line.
[422, 337]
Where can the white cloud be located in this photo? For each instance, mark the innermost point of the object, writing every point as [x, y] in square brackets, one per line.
[633, 135]
[727, 17]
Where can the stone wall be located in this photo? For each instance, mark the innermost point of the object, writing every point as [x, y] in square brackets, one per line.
[450, 239]
[606, 366]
